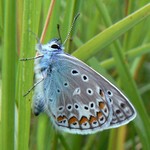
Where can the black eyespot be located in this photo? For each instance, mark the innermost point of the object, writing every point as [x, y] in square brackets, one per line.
[55, 46]
[92, 105]
[84, 78]
[74, 123]
[76, 106]
[69, 107]
[89, 91]
[110, 99]
[94, 122]
[65, 84]
[118, 111]
[122, 105]
[74, 71]
[101, 92]
[86, 108]
[85, 124]
[61, 107]
[102, 119]
[58, 90]
[109, 93]
[105, 110]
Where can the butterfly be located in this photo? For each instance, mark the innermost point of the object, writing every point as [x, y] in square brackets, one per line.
[76, 98]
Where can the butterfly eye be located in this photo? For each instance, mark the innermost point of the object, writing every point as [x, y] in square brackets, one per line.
[55, 46]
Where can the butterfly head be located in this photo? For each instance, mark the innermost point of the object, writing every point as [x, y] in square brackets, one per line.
[51, 46]
[55, 45]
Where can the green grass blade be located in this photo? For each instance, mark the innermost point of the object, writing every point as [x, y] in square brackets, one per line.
[25, 72]
[110, 34]
[130, 55]
[8, 76]
[127, 81]
[101, 52]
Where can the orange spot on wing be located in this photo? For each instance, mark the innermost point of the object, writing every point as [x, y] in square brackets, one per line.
[72, 120]
[101, 105]
[83, 120]
[92, 119]
[61, 118]
[99, 114]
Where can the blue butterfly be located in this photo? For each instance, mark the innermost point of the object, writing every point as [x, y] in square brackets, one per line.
[75, 97]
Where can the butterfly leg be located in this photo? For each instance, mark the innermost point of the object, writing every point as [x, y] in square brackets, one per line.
[33, 87]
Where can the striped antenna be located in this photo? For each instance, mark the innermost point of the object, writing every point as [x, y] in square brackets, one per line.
[74, 20]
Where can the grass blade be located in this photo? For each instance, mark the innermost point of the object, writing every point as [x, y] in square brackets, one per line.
[8, 76]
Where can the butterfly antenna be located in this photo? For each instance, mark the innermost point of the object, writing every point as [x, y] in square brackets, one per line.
[58, 29]
[74, 20]
[36, 37]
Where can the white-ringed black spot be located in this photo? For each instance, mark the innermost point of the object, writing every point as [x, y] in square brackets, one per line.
[60, 108]
[69, 107]
[86, 107]
[109, 93]
[84, 77]
[65, 84]
[74, 72]
[89, 91]
[91, 105]
[76, 106]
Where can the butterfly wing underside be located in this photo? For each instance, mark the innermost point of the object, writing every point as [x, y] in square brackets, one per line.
[79, 100]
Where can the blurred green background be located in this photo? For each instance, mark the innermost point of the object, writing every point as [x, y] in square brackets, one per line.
[111, 36]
